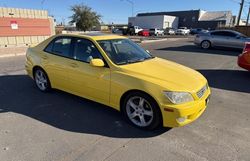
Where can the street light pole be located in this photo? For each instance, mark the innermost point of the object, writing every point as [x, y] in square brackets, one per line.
[42, 2]
[132, 5]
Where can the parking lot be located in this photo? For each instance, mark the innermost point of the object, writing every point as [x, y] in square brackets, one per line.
[61, 127]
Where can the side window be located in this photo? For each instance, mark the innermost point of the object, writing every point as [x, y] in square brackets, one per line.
[224, 33]
[85, 50]
[49, 47]
[62, 47]
[59, 46]
[230, 34]
[216, 33]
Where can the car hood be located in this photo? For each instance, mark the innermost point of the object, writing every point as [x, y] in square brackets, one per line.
[170, 75]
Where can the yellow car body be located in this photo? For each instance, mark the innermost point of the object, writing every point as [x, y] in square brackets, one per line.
[109, 85]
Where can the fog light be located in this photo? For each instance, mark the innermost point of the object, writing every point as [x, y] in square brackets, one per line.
[182, 119]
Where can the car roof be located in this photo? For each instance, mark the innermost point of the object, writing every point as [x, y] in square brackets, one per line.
[95, 36]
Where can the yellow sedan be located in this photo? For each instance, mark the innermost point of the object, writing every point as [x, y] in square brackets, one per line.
[116, 72]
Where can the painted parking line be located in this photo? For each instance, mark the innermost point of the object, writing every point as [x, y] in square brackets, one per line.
[11, 55]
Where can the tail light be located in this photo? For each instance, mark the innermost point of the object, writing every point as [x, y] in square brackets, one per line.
[246, 48]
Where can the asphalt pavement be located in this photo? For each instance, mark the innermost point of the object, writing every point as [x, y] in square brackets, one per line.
[36, 126]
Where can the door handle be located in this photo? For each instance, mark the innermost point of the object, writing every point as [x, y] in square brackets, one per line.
[73, 65]
[45, 57]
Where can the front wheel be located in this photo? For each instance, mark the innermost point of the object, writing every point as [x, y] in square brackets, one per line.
[42, 80]
[205, 44]
[142, 111]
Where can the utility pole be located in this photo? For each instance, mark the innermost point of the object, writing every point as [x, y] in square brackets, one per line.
[248, 16]
[239, 16]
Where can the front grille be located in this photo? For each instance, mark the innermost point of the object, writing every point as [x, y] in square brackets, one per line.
[202, 91]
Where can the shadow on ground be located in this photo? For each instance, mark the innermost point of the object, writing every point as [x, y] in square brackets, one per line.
[196, 49]
[64, 111]
[232, 80]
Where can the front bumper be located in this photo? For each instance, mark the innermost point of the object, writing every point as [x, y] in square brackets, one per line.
[180, 115]
[197, 41]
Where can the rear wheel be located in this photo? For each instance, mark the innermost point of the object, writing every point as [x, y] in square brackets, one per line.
[205, 44]
[142, 111]
[41, 80]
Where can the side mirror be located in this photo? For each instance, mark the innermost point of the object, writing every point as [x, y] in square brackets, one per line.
[97, 63]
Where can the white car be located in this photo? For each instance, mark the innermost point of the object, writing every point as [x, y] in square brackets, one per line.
[169, 31]
[156, 32]
[182, 31]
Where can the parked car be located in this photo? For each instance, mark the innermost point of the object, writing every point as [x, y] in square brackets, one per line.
[156, 32]
[221, 38]
[169, 31]
[117, 31]
[132, 30]
[143, 33]
[115, 71]
[182, 31]
[198, 31]
[244, 58]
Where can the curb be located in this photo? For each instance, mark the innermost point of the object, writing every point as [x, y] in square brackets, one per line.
[166, 39]
[11, 55]
[149, 41]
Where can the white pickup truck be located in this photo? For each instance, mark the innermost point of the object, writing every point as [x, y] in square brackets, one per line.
[182, 31]
[133, 30]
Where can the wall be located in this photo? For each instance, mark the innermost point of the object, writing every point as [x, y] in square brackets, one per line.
[24, 26]
[190, 19]
[148, 22]
[242, 29]
[185, 17]
[173, 22]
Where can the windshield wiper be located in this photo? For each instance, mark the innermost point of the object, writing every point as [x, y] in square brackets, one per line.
[135, 61]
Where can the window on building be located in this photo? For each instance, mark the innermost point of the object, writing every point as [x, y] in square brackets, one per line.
[193, 18]
[184, 19]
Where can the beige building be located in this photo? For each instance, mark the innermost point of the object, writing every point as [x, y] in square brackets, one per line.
[24, 26]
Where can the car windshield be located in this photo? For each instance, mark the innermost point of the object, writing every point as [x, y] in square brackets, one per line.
[124, 51]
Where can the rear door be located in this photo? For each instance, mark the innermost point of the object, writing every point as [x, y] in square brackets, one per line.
[55, 60]
[224, 39]
[217, 38]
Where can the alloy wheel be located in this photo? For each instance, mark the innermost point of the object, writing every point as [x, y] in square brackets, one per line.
[41, 80]
[139, 111]
[205, 44]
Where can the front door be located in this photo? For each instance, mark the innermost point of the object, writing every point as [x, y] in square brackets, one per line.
[86, 80]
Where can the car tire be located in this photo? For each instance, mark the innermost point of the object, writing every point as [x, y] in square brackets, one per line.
[142, 111]
[42, 80]
[205, 44]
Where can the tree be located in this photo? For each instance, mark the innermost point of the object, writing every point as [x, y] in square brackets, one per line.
[84, 17]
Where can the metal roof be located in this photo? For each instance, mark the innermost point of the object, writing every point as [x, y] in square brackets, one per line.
[214, 16]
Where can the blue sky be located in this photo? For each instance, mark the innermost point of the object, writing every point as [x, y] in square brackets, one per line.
[118, 11]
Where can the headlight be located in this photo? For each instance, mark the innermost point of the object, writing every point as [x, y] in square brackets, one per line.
[179, 97]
